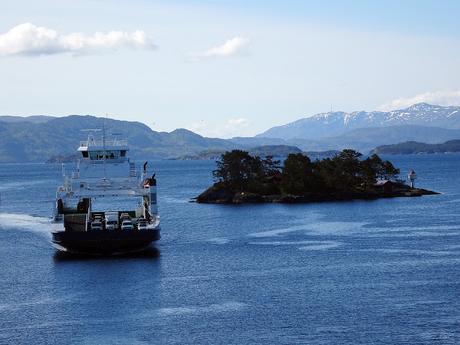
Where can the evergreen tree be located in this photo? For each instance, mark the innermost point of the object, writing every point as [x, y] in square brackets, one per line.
[347, 171]
[297, 174]
[241, 171]
[234, 168]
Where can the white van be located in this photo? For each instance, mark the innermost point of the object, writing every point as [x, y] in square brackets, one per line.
[111, 220]
[96, 224]
[127, 224]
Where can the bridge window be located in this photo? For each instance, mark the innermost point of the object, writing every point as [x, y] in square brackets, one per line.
[101, 155]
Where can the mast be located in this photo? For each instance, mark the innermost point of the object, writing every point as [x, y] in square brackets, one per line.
[103, 146]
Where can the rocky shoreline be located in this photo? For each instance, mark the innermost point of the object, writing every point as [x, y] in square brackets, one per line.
[218, 194]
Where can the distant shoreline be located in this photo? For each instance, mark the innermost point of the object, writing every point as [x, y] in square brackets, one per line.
[55, 160]
[73, 158]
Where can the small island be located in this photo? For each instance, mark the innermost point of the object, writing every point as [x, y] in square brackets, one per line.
[413, 147]
[243, 178]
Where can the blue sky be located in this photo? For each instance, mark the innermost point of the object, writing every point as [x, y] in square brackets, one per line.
[225, 68]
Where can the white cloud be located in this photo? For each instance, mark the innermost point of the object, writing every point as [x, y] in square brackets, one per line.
[238, 122]
[436, 97]
[233, 127]
[31, 40]
[237, 46]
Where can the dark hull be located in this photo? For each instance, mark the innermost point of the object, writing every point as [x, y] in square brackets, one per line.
[105, 242]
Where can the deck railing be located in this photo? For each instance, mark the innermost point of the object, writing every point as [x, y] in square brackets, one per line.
[100, 143]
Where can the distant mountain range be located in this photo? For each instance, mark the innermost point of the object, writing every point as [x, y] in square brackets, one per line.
[364, 131]
[361, 139]
[334, 124]
[38, 138]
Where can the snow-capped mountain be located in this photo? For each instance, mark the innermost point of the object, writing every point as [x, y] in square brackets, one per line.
[336, 123]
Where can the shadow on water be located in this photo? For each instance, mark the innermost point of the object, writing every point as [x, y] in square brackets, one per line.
[149, 253]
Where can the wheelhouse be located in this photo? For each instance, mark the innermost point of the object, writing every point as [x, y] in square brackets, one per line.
[113, 150]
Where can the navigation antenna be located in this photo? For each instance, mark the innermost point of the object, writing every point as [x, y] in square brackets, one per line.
[90, 130]
[93, 140]
[103, 147]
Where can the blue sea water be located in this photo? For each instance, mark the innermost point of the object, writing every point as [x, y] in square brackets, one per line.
[361, 272]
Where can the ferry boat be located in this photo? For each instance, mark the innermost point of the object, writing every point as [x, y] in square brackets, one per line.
[107, 205]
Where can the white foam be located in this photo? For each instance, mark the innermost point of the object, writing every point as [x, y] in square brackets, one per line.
[278, 232]
[315, 228]
[212, 308]
[336, 228]
[444, 227]
[453, 201]
[322, 246]
[304, 245]
[25, 222]
[426, 231]
[172, 200]
[282, 243]
[424, 234]
[414, 251]
[219, 240]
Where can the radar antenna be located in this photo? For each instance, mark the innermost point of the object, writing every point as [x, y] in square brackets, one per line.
[91, 132]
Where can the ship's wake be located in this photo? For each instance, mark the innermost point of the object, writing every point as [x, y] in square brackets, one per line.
[26, 222]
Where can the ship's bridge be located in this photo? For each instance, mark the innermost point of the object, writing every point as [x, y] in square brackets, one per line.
[112, 150]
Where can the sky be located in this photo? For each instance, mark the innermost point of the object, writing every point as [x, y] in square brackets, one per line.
[225, 68]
